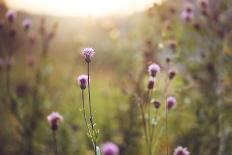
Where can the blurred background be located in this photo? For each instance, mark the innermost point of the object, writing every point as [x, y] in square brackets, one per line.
[40, 59]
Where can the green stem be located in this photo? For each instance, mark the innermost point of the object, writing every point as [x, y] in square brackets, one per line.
[55, 142]
[90, 110]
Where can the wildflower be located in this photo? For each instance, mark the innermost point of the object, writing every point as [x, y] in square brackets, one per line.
[10, 16]
[151, 83]
[54, 119]
[109, 148]
[153, 69]
[88, 53]
[171, 74]
[188, 7]
[82, 81]
[181, 151]
[27, 24]
[187, 16]
[171, 102]
[203, 4]
[156, 104]
[172, 44]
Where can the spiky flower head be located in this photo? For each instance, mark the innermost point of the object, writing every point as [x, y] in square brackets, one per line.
[153, 69]
[88, 54]
[181, 151]
[10, 16]
[109, 148]
[54, 120]
[27, 24]
[171, 102]
[82, 81]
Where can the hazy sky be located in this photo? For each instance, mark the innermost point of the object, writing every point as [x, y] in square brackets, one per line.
[79, 7]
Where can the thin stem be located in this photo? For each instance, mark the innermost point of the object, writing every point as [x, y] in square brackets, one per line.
[54, 142]
[166, 125]
[90, 110]
[144, 125]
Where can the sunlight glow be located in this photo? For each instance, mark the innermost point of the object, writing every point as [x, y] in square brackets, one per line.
[81, 8]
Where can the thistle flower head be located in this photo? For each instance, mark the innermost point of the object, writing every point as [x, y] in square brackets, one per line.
[156, 104]
[151, 83]
[109, 148]
[88, 53]
[27, 24]
[187, 16]
[82, 81]
[171, 73]
[203, 4]
[171, 102]
[10, 16]
[181, 151]
[54, 119]
[153, 69]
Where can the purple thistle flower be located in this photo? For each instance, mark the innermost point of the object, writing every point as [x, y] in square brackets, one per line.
[187, 16]
[153, 69]
[181, 151]
[203, 4]
[151, 83]
[88, 53]
[27, 24]
[171, 73]
[82, 81]
[11, 15]
[157, 104]
[109, 148]
[171, 102]
[54, 119]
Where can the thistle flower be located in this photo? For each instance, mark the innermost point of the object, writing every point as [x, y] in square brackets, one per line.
[153, 69]
[171, 73]
[181, 151]
[109, 148]
[10, 16]
[27, 24]
[151, 83]
[54, 119]
[82, 81]
[88, 53]
[203, 4]
[156, 104]
[187, 16]
[171, 102]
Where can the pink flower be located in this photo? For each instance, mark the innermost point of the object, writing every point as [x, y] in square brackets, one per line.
[54, 119]
[171, 102]
[82, 81]
[27, 24]
[153, 69]
[109, 148]
[10, 16]
[187, 16]
[181, 151]
[88, 53]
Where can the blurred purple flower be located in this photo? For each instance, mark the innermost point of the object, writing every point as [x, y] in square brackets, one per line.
[171, 102]
[203, 4]
[151, 83]
[153, 69]
[109, 148]
[187, 16]
[88, 53]
[11, 15]
[171, 73]
[27, 24]
[82, 81]
[54, 119]
[181, 151]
